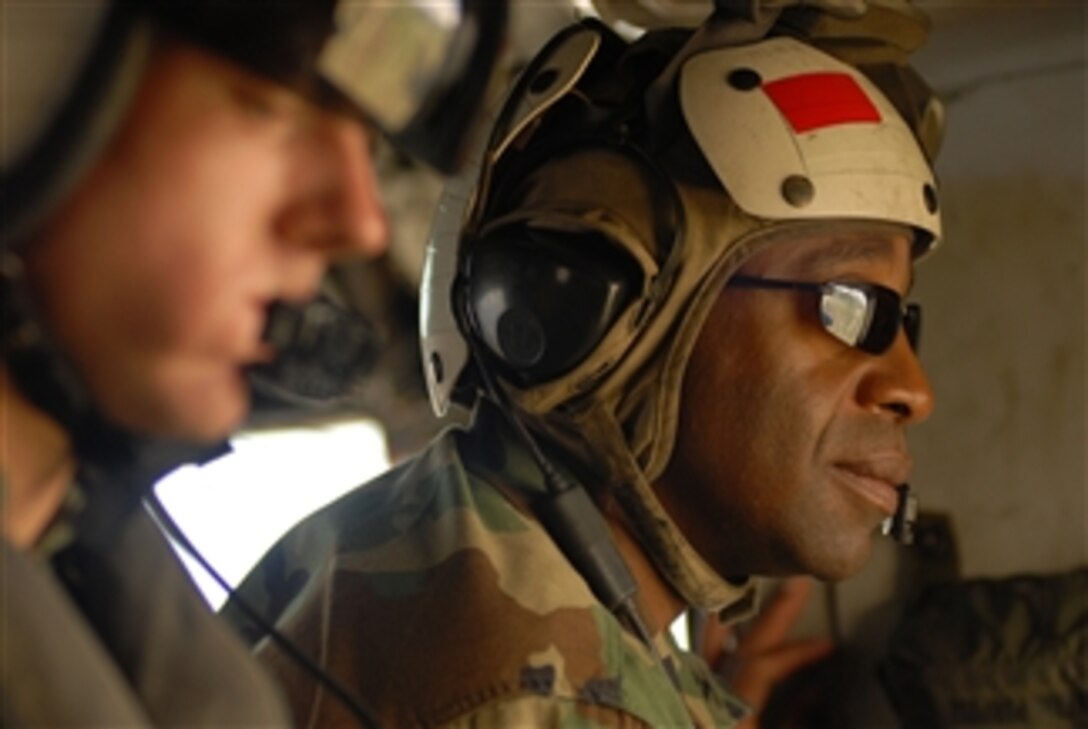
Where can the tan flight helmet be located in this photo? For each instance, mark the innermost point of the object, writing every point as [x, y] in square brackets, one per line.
[579, 261]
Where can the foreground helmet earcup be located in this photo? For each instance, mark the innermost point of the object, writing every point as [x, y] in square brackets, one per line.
[541, 301]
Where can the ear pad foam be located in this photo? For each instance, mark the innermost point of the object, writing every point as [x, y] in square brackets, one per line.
[541, 300]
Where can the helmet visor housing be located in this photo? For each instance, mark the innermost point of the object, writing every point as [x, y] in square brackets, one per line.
[416, 69]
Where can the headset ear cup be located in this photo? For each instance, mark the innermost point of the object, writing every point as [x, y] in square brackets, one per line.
[541, 301]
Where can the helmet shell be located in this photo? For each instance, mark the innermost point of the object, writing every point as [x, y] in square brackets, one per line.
[794, 134]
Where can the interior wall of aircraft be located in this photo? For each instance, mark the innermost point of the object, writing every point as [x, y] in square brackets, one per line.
[1005, 449]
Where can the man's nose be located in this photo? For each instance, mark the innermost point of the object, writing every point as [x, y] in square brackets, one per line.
[335, 207]
[357, 206]
[898, 385]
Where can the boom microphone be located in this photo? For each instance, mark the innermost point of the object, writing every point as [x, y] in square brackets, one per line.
[322, 349]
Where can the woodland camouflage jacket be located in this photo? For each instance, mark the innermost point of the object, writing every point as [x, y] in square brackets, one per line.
[436, 600]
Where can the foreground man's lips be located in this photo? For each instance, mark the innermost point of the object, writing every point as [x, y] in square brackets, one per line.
[876, 480]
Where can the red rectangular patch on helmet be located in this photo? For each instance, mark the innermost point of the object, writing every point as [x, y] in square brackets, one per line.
[815, 100]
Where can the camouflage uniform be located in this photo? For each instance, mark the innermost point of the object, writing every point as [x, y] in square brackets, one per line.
[434, 596]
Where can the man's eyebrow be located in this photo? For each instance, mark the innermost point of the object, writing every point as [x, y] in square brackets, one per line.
[850, 250]
[847, 250]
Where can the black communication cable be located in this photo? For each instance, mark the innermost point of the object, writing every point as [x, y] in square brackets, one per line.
[296, 654]
[575, 523]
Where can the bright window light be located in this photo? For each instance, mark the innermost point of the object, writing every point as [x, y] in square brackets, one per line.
[679, 629]
[235, 507]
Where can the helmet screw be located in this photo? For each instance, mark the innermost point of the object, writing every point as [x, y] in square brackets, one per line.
[744, 79]
[929, 194]
[798, 191]
[436, 367]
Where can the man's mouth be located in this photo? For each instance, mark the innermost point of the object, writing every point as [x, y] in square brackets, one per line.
[876, 480]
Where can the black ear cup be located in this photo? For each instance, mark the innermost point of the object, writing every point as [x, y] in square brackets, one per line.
[541, 301]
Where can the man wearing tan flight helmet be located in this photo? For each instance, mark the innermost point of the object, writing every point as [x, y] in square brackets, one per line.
[675, 305]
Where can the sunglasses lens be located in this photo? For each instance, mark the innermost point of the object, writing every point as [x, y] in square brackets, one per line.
[884, 325]
[862, 315]
[912, 324]
[845, 312]
[867, 316]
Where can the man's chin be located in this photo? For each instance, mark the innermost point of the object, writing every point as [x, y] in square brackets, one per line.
[843, 563]
[207, 415]
[212, 427]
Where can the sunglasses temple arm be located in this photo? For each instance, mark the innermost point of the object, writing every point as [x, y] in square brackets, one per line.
[751, 282]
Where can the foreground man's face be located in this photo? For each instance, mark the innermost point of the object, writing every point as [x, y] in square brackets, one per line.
[221, 194]
[790, 442]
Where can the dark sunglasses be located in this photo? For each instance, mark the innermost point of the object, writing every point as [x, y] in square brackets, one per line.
[863, 315]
